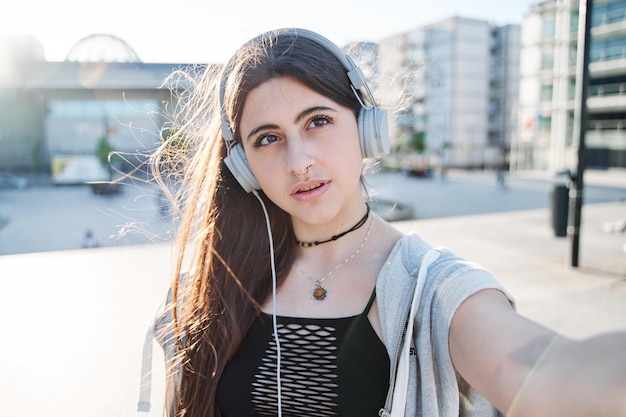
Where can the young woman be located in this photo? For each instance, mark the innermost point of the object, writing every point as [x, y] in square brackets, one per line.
[290, 294]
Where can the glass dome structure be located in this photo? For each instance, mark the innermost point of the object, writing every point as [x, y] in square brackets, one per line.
[102, 47]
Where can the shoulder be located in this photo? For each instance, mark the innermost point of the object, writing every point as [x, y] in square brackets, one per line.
[404, 259]
[449, 280]
[408, 254]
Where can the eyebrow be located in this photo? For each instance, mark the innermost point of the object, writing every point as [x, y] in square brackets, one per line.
[303, 114]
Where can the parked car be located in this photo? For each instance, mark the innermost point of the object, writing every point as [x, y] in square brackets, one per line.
[8, 180]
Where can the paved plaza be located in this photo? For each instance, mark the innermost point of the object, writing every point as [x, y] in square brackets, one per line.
[74, 319]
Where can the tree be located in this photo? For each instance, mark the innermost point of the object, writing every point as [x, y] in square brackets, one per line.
[103, 152]
[418, 142]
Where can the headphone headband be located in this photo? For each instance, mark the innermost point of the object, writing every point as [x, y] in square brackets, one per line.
[355, 75]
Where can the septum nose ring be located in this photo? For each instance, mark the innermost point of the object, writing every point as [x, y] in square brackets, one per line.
[306, 171]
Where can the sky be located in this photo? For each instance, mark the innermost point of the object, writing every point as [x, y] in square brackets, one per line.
[189, 31]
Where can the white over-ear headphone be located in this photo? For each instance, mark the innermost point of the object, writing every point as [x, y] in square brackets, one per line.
[372, 121]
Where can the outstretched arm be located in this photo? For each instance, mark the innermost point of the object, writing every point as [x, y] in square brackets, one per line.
[525, 369]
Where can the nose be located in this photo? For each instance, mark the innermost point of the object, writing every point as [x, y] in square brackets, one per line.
[299, 158]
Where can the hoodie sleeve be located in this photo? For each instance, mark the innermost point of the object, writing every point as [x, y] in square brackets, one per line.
[451, 281]
[435, 389]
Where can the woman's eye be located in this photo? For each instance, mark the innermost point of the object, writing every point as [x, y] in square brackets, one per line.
[265, 140]
[319, 121]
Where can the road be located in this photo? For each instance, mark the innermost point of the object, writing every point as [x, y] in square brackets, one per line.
[45, 217]
[469, 193]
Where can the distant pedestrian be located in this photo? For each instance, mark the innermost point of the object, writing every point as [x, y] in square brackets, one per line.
[4, 220]
[444, 172]
[90, 240]
[501, 176]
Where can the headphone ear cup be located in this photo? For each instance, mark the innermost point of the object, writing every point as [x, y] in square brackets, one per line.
[238, 165]
[373, 131]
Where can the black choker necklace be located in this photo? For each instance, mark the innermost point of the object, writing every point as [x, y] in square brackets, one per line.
[335, 237]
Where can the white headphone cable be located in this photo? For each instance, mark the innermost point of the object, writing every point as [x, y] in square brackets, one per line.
[274, 324]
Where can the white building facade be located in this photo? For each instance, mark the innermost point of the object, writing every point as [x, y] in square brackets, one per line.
[547, 137]
[455, 82]
[53, 115]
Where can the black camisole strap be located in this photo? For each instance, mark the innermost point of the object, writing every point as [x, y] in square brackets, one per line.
[366, 310]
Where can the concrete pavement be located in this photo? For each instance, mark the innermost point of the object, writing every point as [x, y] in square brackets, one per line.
[535, 265]
[74, 320]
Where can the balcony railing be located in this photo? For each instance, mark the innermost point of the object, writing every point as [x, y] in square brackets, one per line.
[607, 89]
[612, 139]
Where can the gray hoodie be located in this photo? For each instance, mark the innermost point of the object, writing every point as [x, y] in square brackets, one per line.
[435, 389]
[433, 382]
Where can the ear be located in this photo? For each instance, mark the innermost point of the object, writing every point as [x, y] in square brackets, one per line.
[238, 165]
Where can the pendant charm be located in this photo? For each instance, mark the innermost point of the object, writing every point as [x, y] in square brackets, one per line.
[319, 292]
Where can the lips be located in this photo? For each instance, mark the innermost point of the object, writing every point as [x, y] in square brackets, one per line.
[310, 187]
[308, 190]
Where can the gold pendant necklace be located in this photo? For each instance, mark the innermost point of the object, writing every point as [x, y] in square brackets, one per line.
[320, 292]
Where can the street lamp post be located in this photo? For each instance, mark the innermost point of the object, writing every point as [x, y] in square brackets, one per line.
[580, 124]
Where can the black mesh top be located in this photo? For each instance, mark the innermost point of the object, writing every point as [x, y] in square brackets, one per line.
[329, 367]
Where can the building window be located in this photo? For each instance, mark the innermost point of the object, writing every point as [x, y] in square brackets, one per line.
[574, 18]
[76, 109]
[546, 92]
[573, 58]
[571, 88]
[547, 59]
[612, 12]
[545, 124]
[614, 86]
[607, 49]
[548, 28]
[494, 106]
[569, 129]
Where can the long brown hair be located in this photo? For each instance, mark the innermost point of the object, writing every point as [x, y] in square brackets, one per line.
[222, 239]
